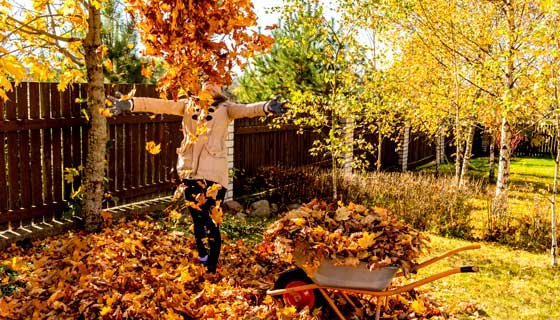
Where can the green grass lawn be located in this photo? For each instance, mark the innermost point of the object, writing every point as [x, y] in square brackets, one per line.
[511, 284]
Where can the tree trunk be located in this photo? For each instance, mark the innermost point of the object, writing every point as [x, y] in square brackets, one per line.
[379, 149]
[500, 200]
[458, 148]
[467, 155]
[97, 137]
[492, 159]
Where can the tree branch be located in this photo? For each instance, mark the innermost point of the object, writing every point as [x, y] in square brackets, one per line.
[32, 30]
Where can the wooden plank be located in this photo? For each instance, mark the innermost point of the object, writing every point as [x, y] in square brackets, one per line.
[24, 148]
[157, 188]
[76, 139]
[36, 148]
[3, 165]
[44, 91]
[28, 213]
[150, 160]
[34, 124]
[84, 127]
[119, 167]
[135, 153]
[111, 160]
[56, 146]
[158, 163]
[127, 157]
[76, 131]
[142, 155]
[13, 155]
[67, 161]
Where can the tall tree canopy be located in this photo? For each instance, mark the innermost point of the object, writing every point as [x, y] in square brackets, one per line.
[199, 40]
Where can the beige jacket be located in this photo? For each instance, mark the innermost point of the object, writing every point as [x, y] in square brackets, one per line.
[205, 156]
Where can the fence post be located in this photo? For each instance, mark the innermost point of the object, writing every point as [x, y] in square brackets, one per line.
[230, 159]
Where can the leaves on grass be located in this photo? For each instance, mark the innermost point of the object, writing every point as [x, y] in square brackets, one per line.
[146, 269]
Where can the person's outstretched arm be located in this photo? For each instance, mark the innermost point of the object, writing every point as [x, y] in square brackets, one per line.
[153, 105]
[236, 110]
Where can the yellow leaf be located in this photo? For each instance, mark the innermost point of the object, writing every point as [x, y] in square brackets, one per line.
[153, 148]
[105, 310]
[130, 45]
[129, 95]
[367, 239]
[175, 215]
[299, 221]
[212, 192]
[105, 112]
[217, 214]
[108, 64]
[96, 4]
[206, 96]
[146, 72]
[418, 307]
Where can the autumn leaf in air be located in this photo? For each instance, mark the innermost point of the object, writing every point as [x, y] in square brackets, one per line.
[153, 148]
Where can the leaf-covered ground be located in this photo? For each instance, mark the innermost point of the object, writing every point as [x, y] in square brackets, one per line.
[145, 269]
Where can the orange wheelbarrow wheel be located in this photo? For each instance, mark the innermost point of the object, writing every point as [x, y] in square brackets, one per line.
[299, 299]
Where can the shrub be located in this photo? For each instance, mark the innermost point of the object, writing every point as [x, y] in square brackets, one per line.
[421, 200]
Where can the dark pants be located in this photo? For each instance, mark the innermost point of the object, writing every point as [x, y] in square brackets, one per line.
[204, 227]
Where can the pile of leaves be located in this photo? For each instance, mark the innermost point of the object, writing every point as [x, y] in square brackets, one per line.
[348, 235]
[147, 269]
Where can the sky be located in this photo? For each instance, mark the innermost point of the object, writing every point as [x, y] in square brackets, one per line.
[264, 18]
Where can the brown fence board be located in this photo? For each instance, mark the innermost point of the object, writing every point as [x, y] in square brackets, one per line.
[111, 160]
[119, 166]
[135, 153]
[3, 165]
[67, 162]
[20, 214]
[13, 155]
[56, 146]
[36, 148]
[128, 156]
[142, 156]
[44, 91]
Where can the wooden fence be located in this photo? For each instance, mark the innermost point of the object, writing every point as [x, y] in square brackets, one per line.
[43, 132]
[257, 146]
[539, 143]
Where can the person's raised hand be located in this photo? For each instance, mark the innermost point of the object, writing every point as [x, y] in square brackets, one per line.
[119, 105]
[275, 106]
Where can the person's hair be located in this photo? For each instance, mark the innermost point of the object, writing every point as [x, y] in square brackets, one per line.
[218, 98]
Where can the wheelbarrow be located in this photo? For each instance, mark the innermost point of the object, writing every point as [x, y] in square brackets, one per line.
[300, 290]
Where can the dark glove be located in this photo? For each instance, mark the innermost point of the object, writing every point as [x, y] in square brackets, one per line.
[275, 106]
[119, 105]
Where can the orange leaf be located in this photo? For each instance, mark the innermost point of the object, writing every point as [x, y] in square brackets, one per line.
[153, 148]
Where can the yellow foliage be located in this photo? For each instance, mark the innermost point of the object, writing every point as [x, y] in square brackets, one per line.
[217, 214]
[153, 148]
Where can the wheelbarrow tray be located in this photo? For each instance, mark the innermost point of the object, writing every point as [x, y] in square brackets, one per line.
[358, 277]
[330, 274]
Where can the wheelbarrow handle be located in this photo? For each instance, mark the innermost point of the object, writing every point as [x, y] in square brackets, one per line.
[469, 269]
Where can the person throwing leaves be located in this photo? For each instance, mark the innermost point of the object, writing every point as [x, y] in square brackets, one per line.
[202, 163]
